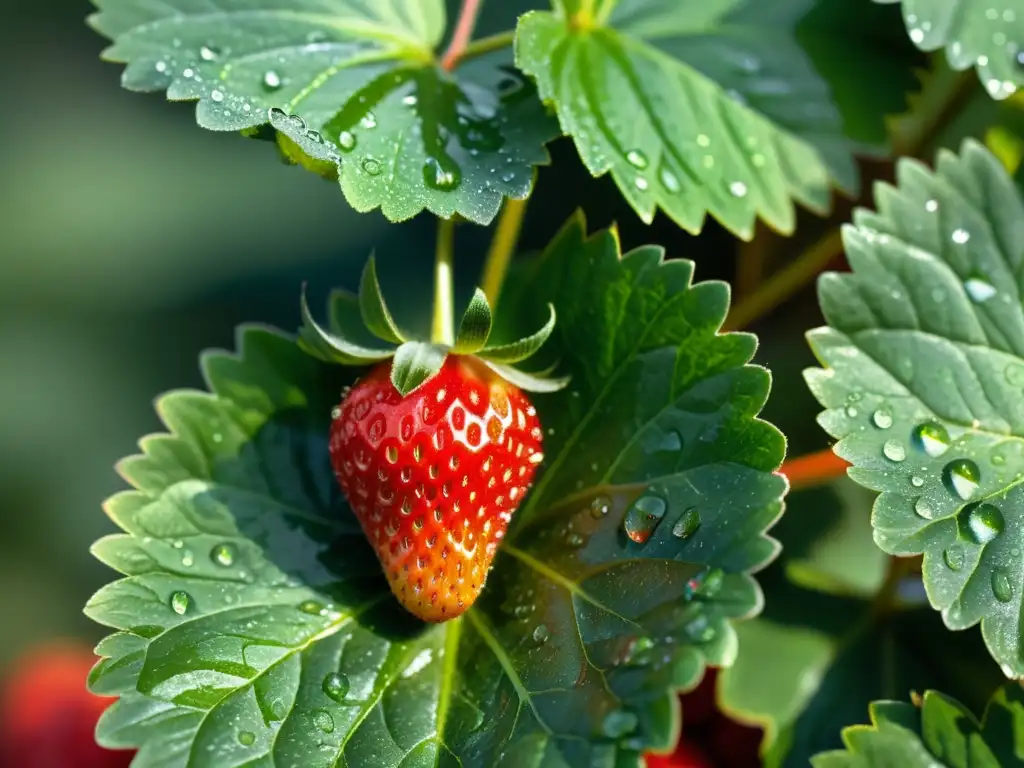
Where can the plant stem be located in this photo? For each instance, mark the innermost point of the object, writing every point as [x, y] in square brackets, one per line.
[464, 27]
[442, 330]
[778, 289]
[502, 247]
[487, 44]
[784, 284]
[813, 470]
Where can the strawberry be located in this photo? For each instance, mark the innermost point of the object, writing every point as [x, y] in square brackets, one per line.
[688, 754]
[435, 449]
[434, 477]
[47, 717]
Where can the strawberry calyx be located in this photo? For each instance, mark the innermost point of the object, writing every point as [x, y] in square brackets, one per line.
[367, 333]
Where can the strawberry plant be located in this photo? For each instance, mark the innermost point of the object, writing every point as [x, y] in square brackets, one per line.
[515, 534]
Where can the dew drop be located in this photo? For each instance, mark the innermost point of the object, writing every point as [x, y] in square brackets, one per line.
[271, 80]
[369, 120]
[894, 451]
[962, 477]
[312, 607]
[923, 509]
[703, 140]
[882, 418]
[636, 158]
[161, 66]
[335, 686]
[217, 96]
[979, 290]
[668, 180]
[641, 183]
[224, 554]
[410, 100]
[370, 166]
[1002, 588]
[347, 141]
[442, 177]
[932, 438]
[916, 481]
[983, 523]
[541, 634]
[323, 721]
[851, 412]
[599, 507]
[961, 236]
[687, 525]
[643, 517]
[208, 53]
[246, 738]
[188, 559]
[181, 602]
[619, 723]
[954, 557]
[738, 189]
[931, 206]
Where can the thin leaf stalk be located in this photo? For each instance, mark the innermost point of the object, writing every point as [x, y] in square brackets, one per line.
[443, 325]
[503, 245]
[464, 26]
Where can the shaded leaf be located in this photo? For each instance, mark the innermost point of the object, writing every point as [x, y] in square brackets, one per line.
[924, 381]
[253, 624]
[939, 732]
[821, 653]
[695, 107]
[331, 347]
[415, 363]
[523, 348]
[986, 34]
[373, 309]
[356, 89]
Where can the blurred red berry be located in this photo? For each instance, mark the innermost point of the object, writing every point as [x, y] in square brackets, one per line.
[47, 717]
[699, 704]
[687, 755]
[735, 745]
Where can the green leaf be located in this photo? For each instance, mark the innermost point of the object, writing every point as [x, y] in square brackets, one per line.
[823, 650]
[331, 347]
[373, 309]
[924, 379]
[354, 85]
[531, 382]
[695, 106]
[475, 326]
[941, 732]
[415, 363]
[253, 625]
[521, 349]
[987, 34]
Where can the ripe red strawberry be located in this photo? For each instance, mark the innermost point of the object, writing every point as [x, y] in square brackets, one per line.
[688, 754]
[434, 477]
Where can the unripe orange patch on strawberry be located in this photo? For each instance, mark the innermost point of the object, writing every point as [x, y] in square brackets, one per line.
[435, 477]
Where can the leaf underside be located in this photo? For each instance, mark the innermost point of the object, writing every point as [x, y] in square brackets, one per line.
[254, 625]
[924, 383]
[695, 107]
[986, 34]
[941, 732]
[358, 83]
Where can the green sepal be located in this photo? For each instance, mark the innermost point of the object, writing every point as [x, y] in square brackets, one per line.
[531, 382]
[374, 310]
[519, 350]
[332, 348]
[475, 328]
[416, 362]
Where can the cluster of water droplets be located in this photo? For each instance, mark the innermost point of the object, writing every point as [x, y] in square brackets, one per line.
[978, 522]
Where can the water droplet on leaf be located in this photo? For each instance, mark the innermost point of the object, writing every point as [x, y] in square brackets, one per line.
[923, 509]
[371, 166]
[224, 554]
[208, 53]
[643, 517]
[636, 158]
[932, 438]
[962, 477]
[541, 634]
[323, 721]
[271, 80]
[982, 523]
[335, 686]
[979, 289]
[687, 525]
[619, 723]
[246, 738]
[882, 418]
[1002, 588]
[894, 451]
[954, 557]
[961, 236]
[181, 602]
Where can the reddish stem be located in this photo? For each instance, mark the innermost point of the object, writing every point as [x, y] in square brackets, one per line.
[462, 35]
[813, 469]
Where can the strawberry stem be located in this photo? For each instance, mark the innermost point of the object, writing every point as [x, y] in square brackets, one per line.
[506, 236]
[814, 469]
[463, 33]
[443, 327]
